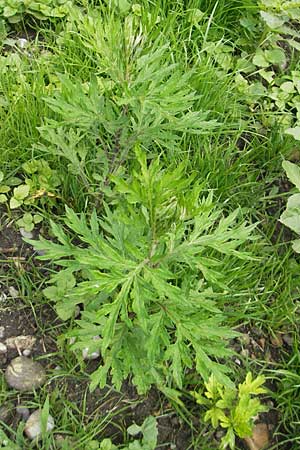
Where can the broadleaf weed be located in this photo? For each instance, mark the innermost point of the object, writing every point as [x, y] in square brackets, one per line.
[148, 274]
[231, 408]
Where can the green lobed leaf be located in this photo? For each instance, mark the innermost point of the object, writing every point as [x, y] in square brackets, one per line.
[293, 172]
[295, 132]
[134, 272]
[21, 192]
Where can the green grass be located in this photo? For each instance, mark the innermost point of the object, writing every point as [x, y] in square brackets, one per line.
[237, 155]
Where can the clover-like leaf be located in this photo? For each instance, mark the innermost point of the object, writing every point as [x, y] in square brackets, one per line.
[3, 198]
[21, 192]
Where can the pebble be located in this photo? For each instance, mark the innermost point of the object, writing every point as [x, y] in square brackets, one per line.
[260, 437]
[13, 292]
[24, 374]
[93, 355]
[23, 412]
[22, 43]
[3, 297]
[26, 234]
[2, 332]
[3, 349]
[288, 339]
[26, 352]
[86, 355]
[33, 426]
[21, 342]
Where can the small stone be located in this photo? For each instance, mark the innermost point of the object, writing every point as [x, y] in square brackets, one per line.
[33, 426]
[277, 341]
[13, 292]
[3, 349]
[26, 234]
[93, 355]
[3, 297]
[24, 374]
[23, 412]
[288, 339]
[22, 43]
[21, 342]
[2, 332]
[26, 352]
[86, 355]
[260, 437]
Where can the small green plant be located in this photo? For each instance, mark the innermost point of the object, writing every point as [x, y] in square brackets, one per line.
[40, 184]
[291, 216]
[149, 433]
[140, 96]
[231, 408]
[6, 184]
[265, 73]
[20, 193]
[148, 274]
[4, 189]
[14, 10]
[28, 221]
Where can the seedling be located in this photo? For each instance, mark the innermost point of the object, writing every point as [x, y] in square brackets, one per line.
[231, 408]
[28, 221]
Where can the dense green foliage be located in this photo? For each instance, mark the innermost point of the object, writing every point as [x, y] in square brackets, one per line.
[15, 10]
[150, 275]
[147, 146]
